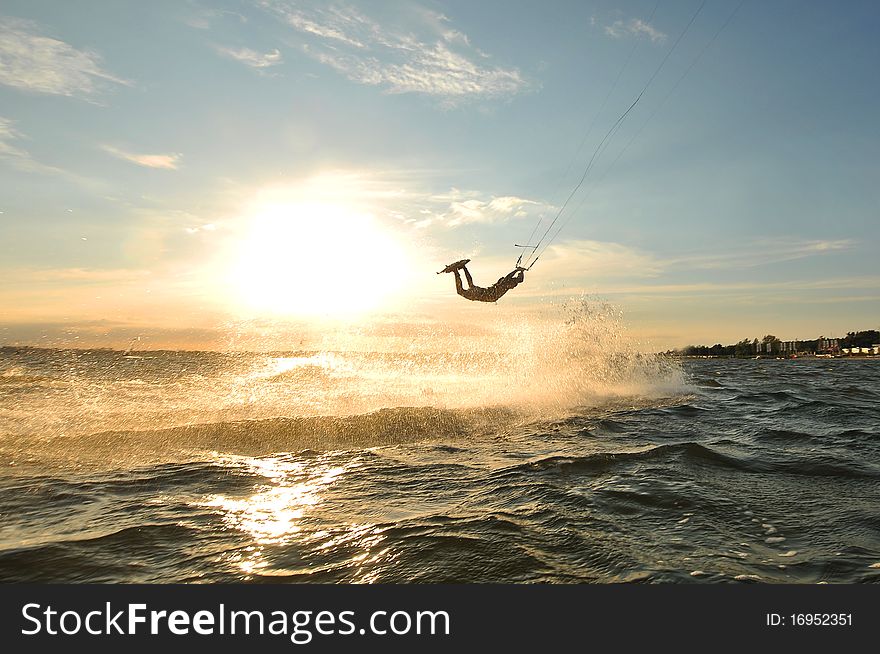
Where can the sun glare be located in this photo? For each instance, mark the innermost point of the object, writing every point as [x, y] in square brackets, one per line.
[316, 259]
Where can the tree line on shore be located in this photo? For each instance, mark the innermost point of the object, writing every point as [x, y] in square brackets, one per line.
[747, 347]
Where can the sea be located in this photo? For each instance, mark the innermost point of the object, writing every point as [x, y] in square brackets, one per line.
[574, 457]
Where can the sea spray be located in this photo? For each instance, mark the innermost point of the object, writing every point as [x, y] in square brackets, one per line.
[588, 358]
[107, 405]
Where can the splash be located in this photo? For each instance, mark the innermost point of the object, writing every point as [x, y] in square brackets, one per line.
[79, 404]
[590, 359]
[583, 356]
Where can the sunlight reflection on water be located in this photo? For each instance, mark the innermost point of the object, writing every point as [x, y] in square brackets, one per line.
[272, 515]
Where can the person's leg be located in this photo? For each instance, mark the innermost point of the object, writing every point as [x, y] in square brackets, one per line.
[470, 280]
[458, 287]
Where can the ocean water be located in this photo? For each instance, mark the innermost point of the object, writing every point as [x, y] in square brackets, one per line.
[570, 459]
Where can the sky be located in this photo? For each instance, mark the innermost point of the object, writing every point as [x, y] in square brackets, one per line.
[202, 174]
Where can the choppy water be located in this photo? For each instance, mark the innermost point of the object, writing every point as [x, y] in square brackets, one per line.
[344, 467]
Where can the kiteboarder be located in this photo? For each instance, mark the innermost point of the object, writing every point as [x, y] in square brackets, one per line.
[478, 293]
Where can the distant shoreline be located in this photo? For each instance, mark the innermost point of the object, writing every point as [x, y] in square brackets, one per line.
[810, 357]
[295, 353]
[108, 350]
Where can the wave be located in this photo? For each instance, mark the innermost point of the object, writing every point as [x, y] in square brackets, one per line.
[22, 379]
[849, 438]
[783, 435]
[857, 391]
[74, 560]
[690, 454]
[382, 427]
[19, 376]
[685, 409]
[604, 461]
[388, 426]
[777, 398]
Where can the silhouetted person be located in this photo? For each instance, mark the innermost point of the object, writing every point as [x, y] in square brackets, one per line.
[478, 293]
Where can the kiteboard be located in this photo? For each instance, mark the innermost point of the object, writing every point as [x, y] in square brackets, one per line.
[452, 267]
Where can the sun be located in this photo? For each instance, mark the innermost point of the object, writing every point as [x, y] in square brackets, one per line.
[316, 259]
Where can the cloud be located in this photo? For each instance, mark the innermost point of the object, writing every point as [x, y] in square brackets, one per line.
[619, 270]
[598, 259]
[636, 28]
[203, 18]
[207, 227]
[331, 27]
[436, 70]
[41, 64]
[16, 156]
[441, 62]
[402, 196]
[8, 150]
[166, 161]
[822, 291]
[765, 252]
[12, 154]
[457, 208]
[595, 256]
[494, 211]
[253, 58]
[73, 275]
[643, 273]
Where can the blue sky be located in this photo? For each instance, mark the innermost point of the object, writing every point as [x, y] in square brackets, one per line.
[149, 152]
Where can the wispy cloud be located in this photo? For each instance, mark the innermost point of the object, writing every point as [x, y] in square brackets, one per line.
[598, 260]
[73, 275]
[203, 18]
[614, 261]
[330, 23]
[207, 227]
[16, 156]
[166, 161]
[407, 198]
[499, 209]
[765, 252]
[13, 154]
[457, 208]
[831, 285]
[635, 27]
[252, 58]
[9, 151]
[34, 62]
[442, 62]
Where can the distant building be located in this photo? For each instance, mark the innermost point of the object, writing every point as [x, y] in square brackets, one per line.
[873, 350]
[828, 346]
